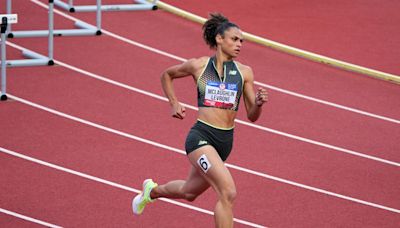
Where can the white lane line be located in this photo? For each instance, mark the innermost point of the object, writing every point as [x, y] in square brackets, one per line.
[329, 103]
[113, 184]
[321, 144]
[160, 145]
[24, 217]
[155, 50]
[273, 131]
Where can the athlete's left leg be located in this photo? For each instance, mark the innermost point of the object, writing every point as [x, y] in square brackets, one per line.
[187, 189]
[194, 185]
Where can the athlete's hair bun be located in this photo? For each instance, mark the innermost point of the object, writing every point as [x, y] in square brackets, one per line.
[216, 24]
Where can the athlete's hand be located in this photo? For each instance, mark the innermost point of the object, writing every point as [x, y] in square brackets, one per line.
[178, 111]
[261, 96]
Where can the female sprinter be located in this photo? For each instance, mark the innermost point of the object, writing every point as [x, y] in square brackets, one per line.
[220, 84]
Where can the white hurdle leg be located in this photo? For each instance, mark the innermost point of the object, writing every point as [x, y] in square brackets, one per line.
[8, 11]
[51, 31]
[3, 58]
[98, 17]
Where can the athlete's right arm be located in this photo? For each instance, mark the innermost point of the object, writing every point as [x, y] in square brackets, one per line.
[185, 69]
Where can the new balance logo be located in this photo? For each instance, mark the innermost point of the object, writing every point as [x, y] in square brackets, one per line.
[232, 72]
[202, 142]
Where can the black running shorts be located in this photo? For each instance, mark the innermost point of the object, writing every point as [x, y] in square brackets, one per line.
[202, 134]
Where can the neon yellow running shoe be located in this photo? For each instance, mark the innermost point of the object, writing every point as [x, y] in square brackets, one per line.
[140, 201]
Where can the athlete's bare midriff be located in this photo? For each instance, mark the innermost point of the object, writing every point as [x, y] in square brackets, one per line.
[217, 117]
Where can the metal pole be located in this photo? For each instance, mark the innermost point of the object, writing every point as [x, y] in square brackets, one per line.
[98, 17]
[3, 58]
[51, 31]
[9, 12]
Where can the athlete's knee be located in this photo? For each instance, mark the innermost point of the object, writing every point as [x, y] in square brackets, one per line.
[228, 194]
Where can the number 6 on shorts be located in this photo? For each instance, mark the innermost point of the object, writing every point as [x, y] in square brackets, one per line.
[203, 162]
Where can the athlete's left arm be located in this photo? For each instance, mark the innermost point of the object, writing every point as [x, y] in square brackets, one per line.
[253, 101]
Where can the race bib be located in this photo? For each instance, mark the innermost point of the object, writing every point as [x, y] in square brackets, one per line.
[221, 95]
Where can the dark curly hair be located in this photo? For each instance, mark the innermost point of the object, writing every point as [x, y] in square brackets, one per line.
[216, 24]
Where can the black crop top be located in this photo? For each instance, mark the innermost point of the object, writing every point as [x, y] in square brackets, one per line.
[220, 92]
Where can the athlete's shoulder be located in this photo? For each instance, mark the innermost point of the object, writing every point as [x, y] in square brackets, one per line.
[198, 61]
[245, 70]
[197, 64]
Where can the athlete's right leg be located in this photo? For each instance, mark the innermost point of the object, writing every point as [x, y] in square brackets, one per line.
[188, 189]
[209, 164]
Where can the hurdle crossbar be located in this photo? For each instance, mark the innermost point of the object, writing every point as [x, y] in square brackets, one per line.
[85, 30]
[141, 5]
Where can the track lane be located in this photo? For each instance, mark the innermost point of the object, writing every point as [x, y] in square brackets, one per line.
[281, 115]
[73, 201]
[130, 120]
[290, 195]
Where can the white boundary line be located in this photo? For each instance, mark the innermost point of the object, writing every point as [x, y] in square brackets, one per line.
[24, 217]
[116, 185]
[369, 114]
[257, 83]
[130, 136]
[343, 150]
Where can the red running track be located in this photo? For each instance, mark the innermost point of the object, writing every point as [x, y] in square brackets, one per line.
[74, 145]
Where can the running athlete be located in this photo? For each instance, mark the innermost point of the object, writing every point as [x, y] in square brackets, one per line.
[220, 84]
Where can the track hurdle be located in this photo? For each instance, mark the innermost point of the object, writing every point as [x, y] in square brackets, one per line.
[36, 59]
[84, 29]
[141, 5]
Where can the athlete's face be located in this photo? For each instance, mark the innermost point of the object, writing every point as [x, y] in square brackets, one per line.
[231, 42]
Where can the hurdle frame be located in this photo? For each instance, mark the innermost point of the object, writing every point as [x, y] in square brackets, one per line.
[142, 5]
[84, 29]
[36, 59]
